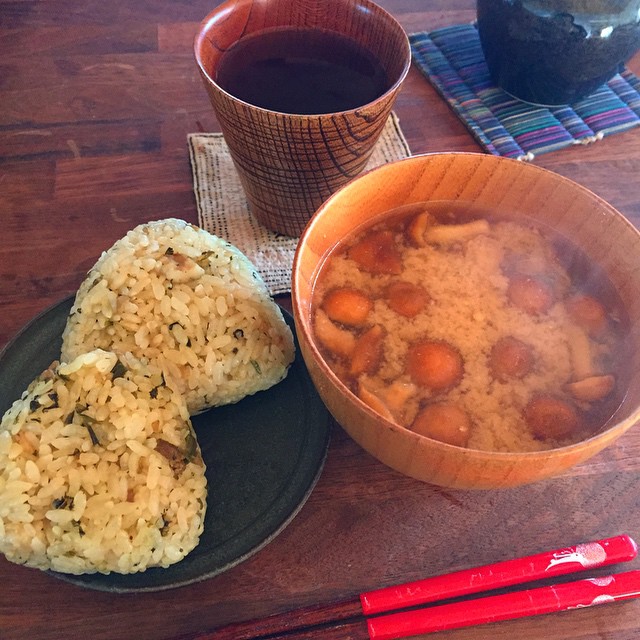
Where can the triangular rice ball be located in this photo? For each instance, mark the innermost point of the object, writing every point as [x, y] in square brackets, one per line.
[100, 470]
[174, 294]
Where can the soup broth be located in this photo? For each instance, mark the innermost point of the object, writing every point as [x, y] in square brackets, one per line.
[477, 331]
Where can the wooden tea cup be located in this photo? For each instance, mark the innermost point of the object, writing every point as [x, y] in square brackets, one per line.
[290, 163]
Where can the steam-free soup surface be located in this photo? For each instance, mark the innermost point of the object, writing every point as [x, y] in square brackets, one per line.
[478, 332]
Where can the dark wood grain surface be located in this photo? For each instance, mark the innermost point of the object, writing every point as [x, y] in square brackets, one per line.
[96, 100]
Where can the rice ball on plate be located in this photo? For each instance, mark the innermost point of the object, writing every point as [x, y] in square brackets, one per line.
[100, 470]
[174, 294]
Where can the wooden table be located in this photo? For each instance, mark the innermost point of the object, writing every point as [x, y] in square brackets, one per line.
[96, 100]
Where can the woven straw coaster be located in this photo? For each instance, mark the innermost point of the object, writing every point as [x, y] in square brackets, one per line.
[223, 208]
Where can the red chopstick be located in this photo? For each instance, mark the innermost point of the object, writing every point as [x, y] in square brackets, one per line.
[501, 574]
[519, 604]
[460, 583]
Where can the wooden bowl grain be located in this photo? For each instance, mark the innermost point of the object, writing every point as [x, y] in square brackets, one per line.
[510, 189]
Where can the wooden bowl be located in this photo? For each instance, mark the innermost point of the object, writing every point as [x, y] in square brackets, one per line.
[510, 189]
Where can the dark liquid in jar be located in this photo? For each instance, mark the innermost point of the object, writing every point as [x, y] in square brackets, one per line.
[301, 71]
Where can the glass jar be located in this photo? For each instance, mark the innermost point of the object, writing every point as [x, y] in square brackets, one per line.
[554, 52]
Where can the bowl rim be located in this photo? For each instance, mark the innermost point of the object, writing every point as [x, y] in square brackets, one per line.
[299, 312]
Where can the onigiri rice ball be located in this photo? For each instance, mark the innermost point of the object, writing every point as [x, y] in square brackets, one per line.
[173, 294]
[100, 470]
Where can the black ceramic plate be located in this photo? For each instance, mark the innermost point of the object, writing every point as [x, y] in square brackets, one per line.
[263, 456]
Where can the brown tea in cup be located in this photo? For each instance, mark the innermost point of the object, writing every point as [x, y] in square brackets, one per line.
[302, 91]
[301, 71]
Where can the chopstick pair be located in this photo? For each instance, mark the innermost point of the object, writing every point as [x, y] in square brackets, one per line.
[390, 613]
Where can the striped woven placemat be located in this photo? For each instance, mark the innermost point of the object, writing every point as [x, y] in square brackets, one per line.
[452, 60]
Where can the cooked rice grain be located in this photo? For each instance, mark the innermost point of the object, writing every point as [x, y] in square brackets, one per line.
[174, 294]
[99, 470]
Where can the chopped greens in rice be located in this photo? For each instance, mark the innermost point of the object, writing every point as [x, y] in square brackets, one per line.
[100, 470]
[172, 293]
